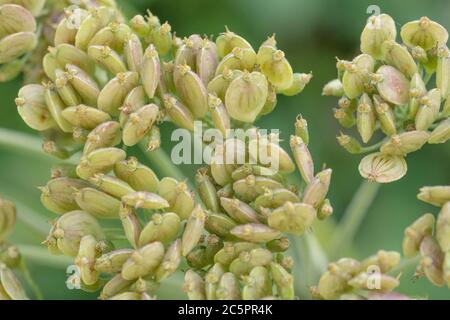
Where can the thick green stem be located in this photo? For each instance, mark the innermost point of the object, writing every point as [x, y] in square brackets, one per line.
[353, 217]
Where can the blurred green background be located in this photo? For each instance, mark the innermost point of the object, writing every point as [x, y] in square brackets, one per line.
[312, 33]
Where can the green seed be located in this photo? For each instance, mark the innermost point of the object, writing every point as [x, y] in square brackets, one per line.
[162, 228]
[212, 279]
[114, 36]
[443, 71]
[207, 190]
[135, 99]
[59, 194]
[441, 133]
[428, 110]
[15, 45]
[194, 286]
[356, 75]
[171, 261]
[228, 40]
[105, 135]
[220, 83]
[239, 211]
[238, 58]
[275, 198]
[114, 287]
[145, 200]
[383, 168]
[220, 224]
[32, 107]
[258, 284]
[181, 200]
[66, 54]
[11, 284]
[99, 161]
[325, 210]
[133, 52]
[62, 170]
[130, 224]
[139, 124]
[278, 245]
[333, 88]
[65, 90]
[85, 260]
[443, 228]
[254, 232]
[151, 71]
[385, 115]
[275, 67]
[191, 90]
[143, 261]
[399, 57]
[424, 33]
[437, 196]
[15, 18]
[378, 29]
[362, 281]
[316, 192]
[405, 143]
[365, 118]
[111, 185]
[228, 288]
[252, 88]
[432, 261]
[7, 218]
[415, 233]
[162, 39]
[97, 19]
[178, 113]
[56, 106]
[283, 281]
[250, 188]
[386, 260]
[138, 176]
[193, 231]
[293, 218]
[97, 203]
[85, 117]
[112, 262]
[55, 150]
[231, 251]
[82, 82]
[303, 158]
[112, 96]
[300, 81]
[349, 143]
[207, 61]
[186, 53]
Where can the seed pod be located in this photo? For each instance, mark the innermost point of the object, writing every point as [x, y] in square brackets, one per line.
[65, 31]
[15, 18]
[171, 261]
[140, 25]
[283, 281]
[138, 176]
[219, 114]
[443, 228]
[378, 29]
[267, 151]
[70, 228]
[424, 33]
[299, 82]
[139, 124]
[228, 40]
[111, 185]
[32, 107]
[85, 260]
[97, 19]
[349, 143]
[385, 260]
[383, 168]
[220, 225]
[428, 110]
[62, 170]
[363, 282]
[207, 190]
[49, 66]
[85, 117]
[194, 286]
[114, 287]
[10, 284]
[405, 143]
[251, 88]
[292, 218]
[432, 261]
[85, 86]
[437, 196]
[162, 228]
[345, 117]
[220, 83]
[365, 118]
[7, 218]
[99, 161]
[143, 261]
[145, 200]
[179, 113]
[228, 288]
[65, 90]
[179, 197]
[301, 129]
[129, 296]
[193, 231]
[132, 103]
[441, 133]
[385, 115]
[333, 88]
[278, 245]
[212, 279]
[399, 57]
[133, 52]
[415, 233]
[114, 36]
[151, 71]
[275, 198]
[10, 70]
[226, 191]
[131, 224]
[161, 37]
[238, 58]
[97, 203]
[356, 75]
[80, 135]
[239, 211]
[197, 258]
[331, 286]
[106, 135]
[66, 54]
[56, 107]
[112, 262]
[112, 96]
[258, 284]
[254, 232]
[443, 71]
[302, 158]
[250, 188]
[248, 260]
[207, 61]
[59, 194]
[15, 45]
[55, 149]
[275, 67]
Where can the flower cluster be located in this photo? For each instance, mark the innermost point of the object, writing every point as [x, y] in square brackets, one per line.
[108, 85]
[430, 238]
[10, 258]
[388, 89]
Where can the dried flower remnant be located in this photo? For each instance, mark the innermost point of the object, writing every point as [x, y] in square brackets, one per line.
[388, 88]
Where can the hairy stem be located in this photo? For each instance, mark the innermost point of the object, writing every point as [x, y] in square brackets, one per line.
[353, 217]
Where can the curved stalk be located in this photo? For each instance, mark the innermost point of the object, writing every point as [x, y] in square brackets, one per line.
[29, 279]
[41, 256]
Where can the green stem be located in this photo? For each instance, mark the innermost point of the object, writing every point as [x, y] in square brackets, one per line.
[372, 148]
[29, 279]
[41, 256]
[21, 142]
[404, 265]
[353, 217]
